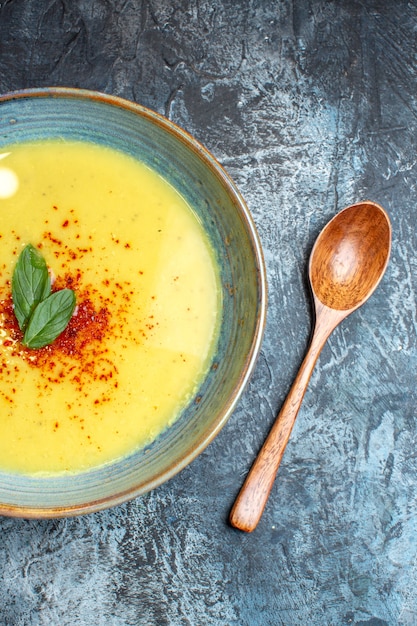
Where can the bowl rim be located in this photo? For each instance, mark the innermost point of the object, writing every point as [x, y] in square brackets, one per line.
[226, 181]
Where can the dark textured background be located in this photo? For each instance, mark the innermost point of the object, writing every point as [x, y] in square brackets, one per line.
[310, 105]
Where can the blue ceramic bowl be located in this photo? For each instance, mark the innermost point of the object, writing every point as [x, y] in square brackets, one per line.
[89, 116]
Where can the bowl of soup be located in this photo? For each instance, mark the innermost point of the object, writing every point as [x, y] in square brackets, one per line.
[113, 206]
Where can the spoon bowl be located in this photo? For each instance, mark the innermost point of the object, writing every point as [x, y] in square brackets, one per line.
[346, 265]
[350, 255]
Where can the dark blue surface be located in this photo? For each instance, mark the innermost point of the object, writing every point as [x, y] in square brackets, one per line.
[310, 106]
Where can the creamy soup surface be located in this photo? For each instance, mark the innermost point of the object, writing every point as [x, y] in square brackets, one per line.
[146, 320]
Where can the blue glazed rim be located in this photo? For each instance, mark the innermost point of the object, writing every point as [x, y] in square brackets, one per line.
[92, 116]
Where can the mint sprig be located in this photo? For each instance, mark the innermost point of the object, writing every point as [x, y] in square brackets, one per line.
[42, 316]
[30, 284]
[49, 319]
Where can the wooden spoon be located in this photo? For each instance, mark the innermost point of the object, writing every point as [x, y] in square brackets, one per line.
[346, 264]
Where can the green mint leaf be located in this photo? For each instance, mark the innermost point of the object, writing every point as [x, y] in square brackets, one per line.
[49, 319]
[31, 284]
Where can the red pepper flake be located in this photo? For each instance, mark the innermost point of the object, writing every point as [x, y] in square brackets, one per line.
[49, 237]
[81, 341]
[80, 354]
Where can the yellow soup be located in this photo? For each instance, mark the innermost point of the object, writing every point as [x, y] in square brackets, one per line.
[146, 319]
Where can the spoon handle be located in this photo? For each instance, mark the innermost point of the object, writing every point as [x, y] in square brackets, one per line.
[252, 498]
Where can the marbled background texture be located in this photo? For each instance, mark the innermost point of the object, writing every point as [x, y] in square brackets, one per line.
[310, 105]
